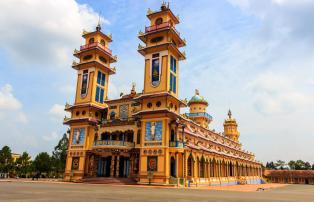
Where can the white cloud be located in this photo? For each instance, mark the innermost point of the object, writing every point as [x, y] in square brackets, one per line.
[278, 94]
[10, 106]
[22, 118]
[7, 99]
[51, 137]
[282, 18]
[43, 33]
[67, 89]
[57, 111]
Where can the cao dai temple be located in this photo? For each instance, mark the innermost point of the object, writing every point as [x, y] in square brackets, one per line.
[143, 136]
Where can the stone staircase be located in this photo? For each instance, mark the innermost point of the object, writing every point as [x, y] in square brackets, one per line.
[109, 180]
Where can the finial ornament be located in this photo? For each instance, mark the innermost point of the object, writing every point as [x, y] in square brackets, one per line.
[98, 27]
[133, 88]
[197, 92]
[164, 6]
[133, 85]
[229, 114]
[149, 11]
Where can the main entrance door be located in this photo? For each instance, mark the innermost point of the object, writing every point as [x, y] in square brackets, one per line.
[104, 165]
[124, 164]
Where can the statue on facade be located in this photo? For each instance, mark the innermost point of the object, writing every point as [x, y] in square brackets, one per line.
[152, 131]
[77, 136]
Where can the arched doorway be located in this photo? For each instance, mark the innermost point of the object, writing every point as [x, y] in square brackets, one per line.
[172, 136]
[190, 166]
[306, 181]
[104, 165]
[173, 167]
[202, 168]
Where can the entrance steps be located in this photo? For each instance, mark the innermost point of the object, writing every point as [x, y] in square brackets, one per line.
[109, 180]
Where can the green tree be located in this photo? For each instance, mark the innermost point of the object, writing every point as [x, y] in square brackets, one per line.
[307, 166]
[42, 163]
[299, 165]
[23, 164]
[59, 154]
[6, 161]
[313, 166]
[271, 166]
[280, 164]
[292, 165]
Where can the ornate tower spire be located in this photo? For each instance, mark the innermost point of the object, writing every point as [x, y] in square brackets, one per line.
[229, 114]
[231, 128]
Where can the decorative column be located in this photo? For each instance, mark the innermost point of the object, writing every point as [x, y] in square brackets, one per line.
[177, 165]
[183, 166]
[118, 166]
[112, 166]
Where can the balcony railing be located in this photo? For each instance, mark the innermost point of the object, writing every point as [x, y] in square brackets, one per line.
[160, 26]
[200, 114]
[96, 44]
[113, 143]
[177, 144]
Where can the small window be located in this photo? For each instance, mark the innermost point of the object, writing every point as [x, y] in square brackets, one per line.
[112, 115]
[101, 58]
[99, 97]
[149, 105]
[102, 42]
[173, 64]
[84, 112]
[173, 83]
[138, 138]
[158, 21]
[101, 78]
[156, 39]
[77, 113]
[158, 104]
[87, 57]
[91, 40]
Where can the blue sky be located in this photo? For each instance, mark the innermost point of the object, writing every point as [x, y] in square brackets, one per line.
[255, 57]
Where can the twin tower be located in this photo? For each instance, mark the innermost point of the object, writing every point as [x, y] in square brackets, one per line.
[157, 107]
[161, 69]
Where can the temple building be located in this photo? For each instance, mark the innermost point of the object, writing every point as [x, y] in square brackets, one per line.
[142, 135]
[290, 176]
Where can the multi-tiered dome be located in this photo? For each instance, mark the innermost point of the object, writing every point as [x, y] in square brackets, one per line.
[198, 113]
[197, 99]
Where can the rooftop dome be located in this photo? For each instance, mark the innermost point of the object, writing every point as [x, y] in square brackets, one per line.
[197, 98]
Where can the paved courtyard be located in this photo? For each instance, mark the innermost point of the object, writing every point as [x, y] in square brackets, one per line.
[48, 191]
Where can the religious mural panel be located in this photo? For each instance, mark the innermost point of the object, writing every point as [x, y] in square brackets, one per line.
[75, 163]
[152, 163]
[78, 136]
[84, 83]
[153, 131]
[155, 71]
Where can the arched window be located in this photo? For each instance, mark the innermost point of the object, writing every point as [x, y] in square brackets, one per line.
[91, 40]
[102, 42]
[172, 136]
[173, 167]
[105, 136]
[138, 137]
[158, 21]
[190, 166]
[112, 115]
[202, 168]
